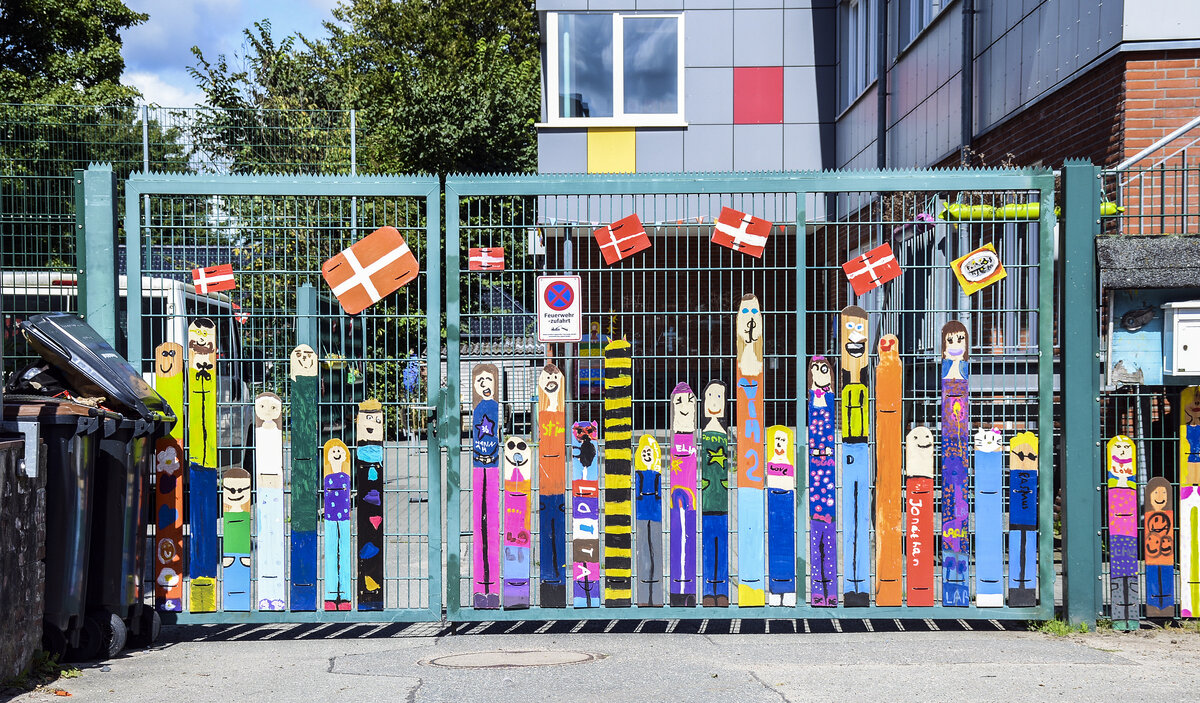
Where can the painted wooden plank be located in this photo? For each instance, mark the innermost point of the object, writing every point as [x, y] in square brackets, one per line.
[989, 518]
[235, 540]
[485, 484]
[585, 516]
[921, 549]
[1124, 601]
[202, 464]
[889, 504]
[822, 485]
[751, 480]
[854, 343]
[648, 486]
[268, 504]
[1160, 548]
[369, 498]
[683, 496]
[552, 486]
[169, 378]
[714, 496]
[618, 474]
[518, 536]
[956, 440]
[1189, 501]
[781, 516]
[1022, 520]
[337, 509]
[305, 478]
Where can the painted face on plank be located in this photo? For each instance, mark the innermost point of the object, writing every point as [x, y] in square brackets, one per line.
[989, 440]
[1158, 493]
[749, 333]
[1120, 456]
[336, 456]
[714, 400]
[1023, 452]
[202, 343]
[168, 360]
[267, 409]
[853, 337]
[820, 375]
[683, 409]
[369, 423]
[235, 489]
[484, 382]
[889, 349]
[780, 444]
[649, 454]
[918, 452]
[550, 382]
[303, 362]
[954, 341]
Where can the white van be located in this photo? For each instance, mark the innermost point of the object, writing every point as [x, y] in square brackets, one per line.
[168, 305]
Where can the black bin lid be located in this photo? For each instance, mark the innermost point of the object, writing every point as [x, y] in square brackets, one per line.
[91, 366]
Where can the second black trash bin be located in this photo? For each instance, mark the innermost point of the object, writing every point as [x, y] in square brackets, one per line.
[88, 368]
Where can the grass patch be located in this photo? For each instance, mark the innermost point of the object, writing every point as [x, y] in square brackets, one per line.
[1058, 628]
[44, 669]
[1183, 626]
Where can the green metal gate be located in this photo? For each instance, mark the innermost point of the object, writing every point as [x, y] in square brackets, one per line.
[276, 231]
[675, 304]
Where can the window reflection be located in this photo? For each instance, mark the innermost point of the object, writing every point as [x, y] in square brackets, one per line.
[585, 84]
[651, 65]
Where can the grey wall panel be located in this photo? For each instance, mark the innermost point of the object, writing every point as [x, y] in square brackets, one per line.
[1162, 20]
[708, 95]
[708, 148]
[562, 151]
[827, 4]
[798, 31]
[758, 38]
[659, 5]
[660, 150]
[806, 145]
[708, 38]
[757, 147]
[756, 4]
[800, 94]
[707, 4]
[611, 5]
[1089, 32]
[562, 5]
[856, 131]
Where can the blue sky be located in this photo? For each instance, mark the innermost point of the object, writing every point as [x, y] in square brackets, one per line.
[158, 52]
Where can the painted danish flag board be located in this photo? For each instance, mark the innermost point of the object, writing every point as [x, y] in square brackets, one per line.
[213, 278]
[622, 239]
[379, 264]
[560, 317]
[873, 269]
[486, 259]
[741, 232]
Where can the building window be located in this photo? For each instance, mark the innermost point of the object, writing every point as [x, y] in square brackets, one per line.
[858, 41]
[615, 69]
[915, 15]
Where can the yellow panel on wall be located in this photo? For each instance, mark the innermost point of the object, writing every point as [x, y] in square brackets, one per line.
[611, 150]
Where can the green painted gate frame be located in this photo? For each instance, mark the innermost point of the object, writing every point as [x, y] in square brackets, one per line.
[142, 184]
[799, 184]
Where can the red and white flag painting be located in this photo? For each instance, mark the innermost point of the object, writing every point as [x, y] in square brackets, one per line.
[741, 232]
[873, 269]
[214, 278]
[379, 264]
[486, 259]
[622, 239]
[238, 315]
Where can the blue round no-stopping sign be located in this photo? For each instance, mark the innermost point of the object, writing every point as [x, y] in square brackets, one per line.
[559, 296]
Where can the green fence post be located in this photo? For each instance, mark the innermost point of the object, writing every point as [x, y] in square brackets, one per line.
[96, 249]
[1080, 344]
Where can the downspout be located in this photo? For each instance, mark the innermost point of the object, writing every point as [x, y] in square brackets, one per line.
[881, 81]
[968, 80]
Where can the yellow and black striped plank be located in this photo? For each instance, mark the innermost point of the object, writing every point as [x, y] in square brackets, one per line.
[618, 474]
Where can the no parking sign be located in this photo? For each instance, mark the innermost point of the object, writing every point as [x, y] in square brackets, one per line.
[559, 319]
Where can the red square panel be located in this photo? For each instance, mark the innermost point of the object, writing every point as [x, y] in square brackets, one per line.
[758, 95]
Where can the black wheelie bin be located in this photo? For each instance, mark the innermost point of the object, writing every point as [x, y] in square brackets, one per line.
[137, 416]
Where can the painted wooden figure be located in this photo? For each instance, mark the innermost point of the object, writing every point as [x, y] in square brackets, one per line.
[854, 343]
[1124, 602]
[889, 505]
[485, 484]
[585, 515]
[781, 516]
[956, 465]
[1189, 501]
[1023, 520]
[648, 487]
[202, 464]
[822, 485]
[518, 536]
[683, 496]
[269, 543]
[989, 518]
[552, 486]
[168, 472]
[751, 479]
[368, 479]
[1160, 548]
[921, 550]
[235, 542]
[714, 497]
[304, 480]
[618, 474]
[336, 511]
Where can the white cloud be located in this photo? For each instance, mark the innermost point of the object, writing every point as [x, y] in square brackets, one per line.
[167, 90]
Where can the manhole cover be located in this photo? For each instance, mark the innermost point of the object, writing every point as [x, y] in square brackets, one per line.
[509, 660]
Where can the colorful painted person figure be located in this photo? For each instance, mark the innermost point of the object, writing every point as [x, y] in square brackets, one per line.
[1124, 599]
[306, 473]
[854, 341]
[368, 469]
[920, 551]
[485, 454]
[552, 486]
[1160, 548]
[715, 466]
[683, 496]
[269, 512]
[235, 562]
[989, 518]
[822, 486]
[168, 578]
[1189, 502]
[202, 466]
[337, 525]
[1022, 520]
[781, 516]
[517, 540]
[585, 515]
[956, 442]
[648, 487]
[751, 470]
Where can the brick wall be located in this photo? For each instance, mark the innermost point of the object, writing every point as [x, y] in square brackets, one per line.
[22, 554]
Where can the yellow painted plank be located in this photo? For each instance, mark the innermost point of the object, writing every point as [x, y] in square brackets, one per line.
[611, 150]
